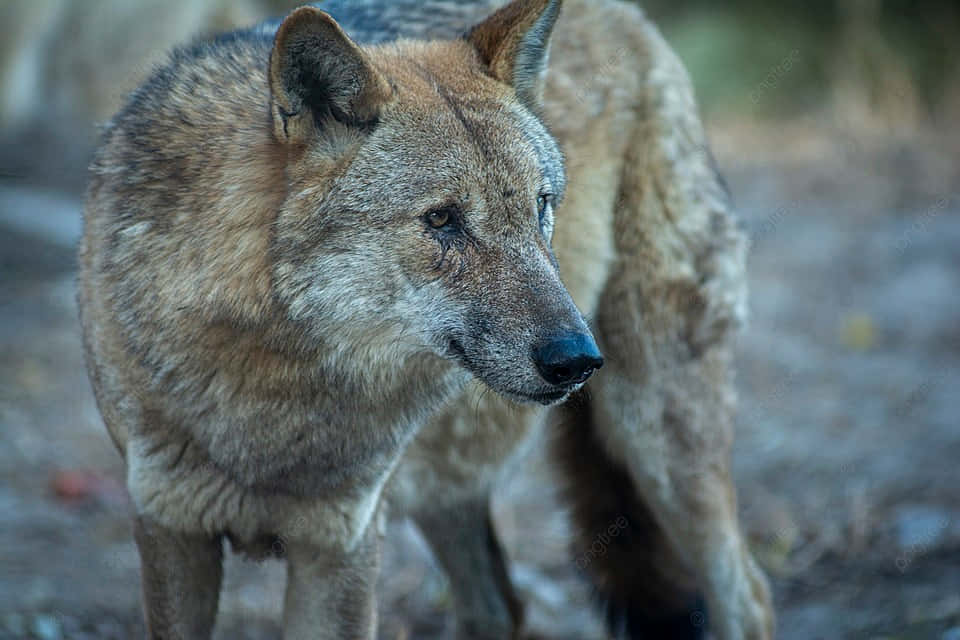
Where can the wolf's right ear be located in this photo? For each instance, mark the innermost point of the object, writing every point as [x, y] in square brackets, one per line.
[316, 72]
[514, 43]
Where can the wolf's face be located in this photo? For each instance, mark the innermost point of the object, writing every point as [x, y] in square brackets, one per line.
[422, 202]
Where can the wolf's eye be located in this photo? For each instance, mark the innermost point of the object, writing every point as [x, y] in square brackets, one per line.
[443, 218]
[544, 202]
[439, 218]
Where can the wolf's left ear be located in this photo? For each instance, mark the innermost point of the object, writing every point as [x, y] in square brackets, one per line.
[316, 73]
[515, 43]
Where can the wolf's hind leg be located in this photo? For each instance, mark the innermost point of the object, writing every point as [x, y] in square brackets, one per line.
[465, 543]
[674, 444]
[330, 593]
[181, 581]
[664, 403]
[644, 588]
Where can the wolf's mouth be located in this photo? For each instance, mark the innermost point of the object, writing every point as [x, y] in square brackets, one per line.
[550, 397]
[456, 351]
[545, 398]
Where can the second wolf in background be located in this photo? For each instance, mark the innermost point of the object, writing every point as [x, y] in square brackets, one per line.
[650, 248]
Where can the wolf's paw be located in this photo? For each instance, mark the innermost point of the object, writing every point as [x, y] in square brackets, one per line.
[747, 608]
[760, 619]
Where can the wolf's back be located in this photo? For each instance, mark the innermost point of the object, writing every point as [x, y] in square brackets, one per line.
[377, 21]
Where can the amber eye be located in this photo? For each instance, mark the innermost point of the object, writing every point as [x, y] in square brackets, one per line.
[442, 217]
[438, 218]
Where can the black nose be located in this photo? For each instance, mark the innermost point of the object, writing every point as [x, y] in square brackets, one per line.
[567, 359]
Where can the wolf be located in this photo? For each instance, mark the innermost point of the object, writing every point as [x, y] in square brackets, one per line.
[305, 250]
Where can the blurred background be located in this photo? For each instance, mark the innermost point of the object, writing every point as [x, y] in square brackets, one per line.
[836, 124]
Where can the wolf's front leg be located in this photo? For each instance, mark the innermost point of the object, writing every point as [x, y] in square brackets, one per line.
[465, 542]
[181, 581]
[331, 595]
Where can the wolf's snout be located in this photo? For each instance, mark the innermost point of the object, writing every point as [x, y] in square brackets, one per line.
[567, 359]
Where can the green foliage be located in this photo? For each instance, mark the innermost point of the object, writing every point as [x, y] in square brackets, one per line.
[775, 59]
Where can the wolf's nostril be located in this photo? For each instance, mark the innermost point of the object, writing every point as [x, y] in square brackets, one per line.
[567, 359]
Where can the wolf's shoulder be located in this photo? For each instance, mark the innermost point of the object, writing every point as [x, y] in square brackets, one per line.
[378, 21]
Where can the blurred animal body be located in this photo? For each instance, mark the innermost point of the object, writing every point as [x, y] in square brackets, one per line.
[301, 255]
[75, 61]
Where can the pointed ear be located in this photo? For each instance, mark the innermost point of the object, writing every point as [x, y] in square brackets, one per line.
[317, 72]
[514, 43]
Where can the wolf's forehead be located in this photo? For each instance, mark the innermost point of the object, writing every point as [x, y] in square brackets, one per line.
[506, 135]
[546, 147]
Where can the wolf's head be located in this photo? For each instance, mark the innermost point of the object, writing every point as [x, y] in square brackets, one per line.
[422, 189]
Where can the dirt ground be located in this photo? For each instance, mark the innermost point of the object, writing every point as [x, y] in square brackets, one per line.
[847, 453]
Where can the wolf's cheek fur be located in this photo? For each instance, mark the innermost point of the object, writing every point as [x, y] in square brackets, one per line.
[376, 284]
[483, 306]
